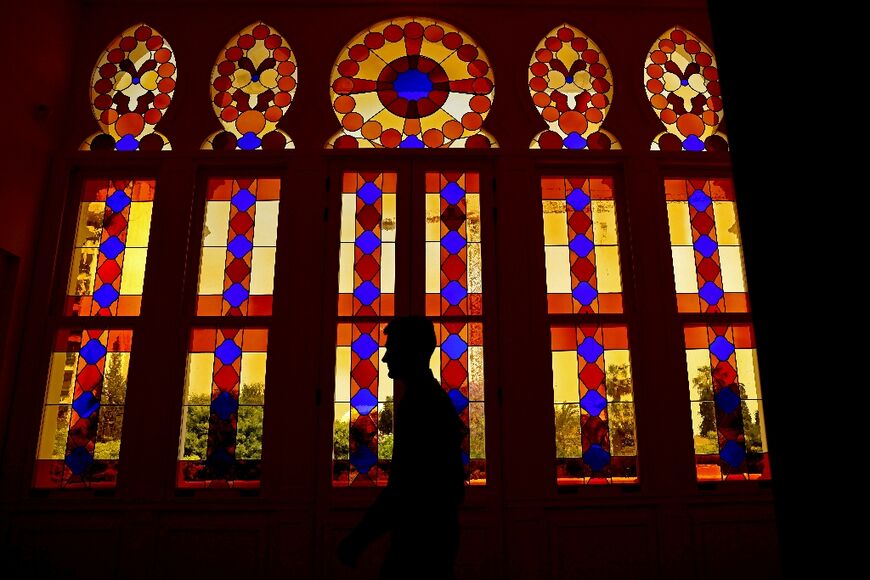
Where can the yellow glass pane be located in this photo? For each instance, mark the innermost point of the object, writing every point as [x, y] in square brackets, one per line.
[388, 268]
[262, 270]
[680, 226]
[433, 267]
[217, 218]
[133, 275]
[475, 373]
[747, 372]
[558, 270]
[727, 228]
[555, 224]
[433, 217]
[139, 225]
[607, 267]
[200, 366]
[370, 69]
[211, 270]
[342, 373]
[345, 268]
[253, 369]
[565, 381]
[385, 383]
[435, 50]
[731, 262]
[388, 218]
[348, 217]
[477, 427]
[472, 212]
[604, 222]
[475, 282]
[266, 223]
[390, 51]
[685, 273]
[54, 431]
[700, 380]
[435, 363]
[61, 378]
[82, 272]
[90, 223]
[455, 68]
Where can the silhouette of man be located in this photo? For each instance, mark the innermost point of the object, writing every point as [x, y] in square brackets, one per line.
[426, 485]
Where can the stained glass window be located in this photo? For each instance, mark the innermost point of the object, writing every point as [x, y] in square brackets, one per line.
[222, 421]
[412, 83]
[727, 414]
[593, 393]
[705, 245]
[580, 241]
[363, 424]
[682, 84]
[454, 296]
[131, 88]
[111, 247]
[237, 264]
[572, 87]
[252, 86]
[80, 438]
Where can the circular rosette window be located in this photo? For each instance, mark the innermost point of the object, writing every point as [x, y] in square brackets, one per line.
[252, 86]
[131, 88]
[572, 87]
[412, 83]
[682, 85]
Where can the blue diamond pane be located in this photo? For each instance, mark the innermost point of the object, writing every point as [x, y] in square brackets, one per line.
[412, 142]
[700, 200]
[112, 247]
[454, 346]
[590, 350]
[93, 351]
[224, 405]
[722, 348]
[369, 193]
[584, 293]
[453, 242]
[466, 459]
[363, 459]
[364, 401]
[581, 245]
[733, 453]
[727, 400]
[85, 404]
[593, 403]
[711, 293]
[127, 143]
[249, 141]
[118, 201]
[574, 141]
[596, 457]
[705, 246]
[365, 346]
[412, 85]
[577, 199]
[228, 351]
[79, 460]
[243, 200]
[452, 193]
[460, 401]
[366, 293]
[454, 293]
[692, 143]
[236, 295]
[106, 295]
[239, 246]
[368, 242]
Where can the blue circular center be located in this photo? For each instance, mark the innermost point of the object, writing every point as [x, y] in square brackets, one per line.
[412, 85]
[255, 77]
[684, 82]
[135, 80]
[569, 79]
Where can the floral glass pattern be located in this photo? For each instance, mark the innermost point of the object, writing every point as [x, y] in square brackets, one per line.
[572, 87]
[412, 83]
[131, 88]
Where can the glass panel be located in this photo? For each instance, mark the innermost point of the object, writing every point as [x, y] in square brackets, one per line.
[727, 417]
[111, 248]
[237, 262]
[80, 438]
[705, 244]
[581, 245]
[222, 418]
[593, 402]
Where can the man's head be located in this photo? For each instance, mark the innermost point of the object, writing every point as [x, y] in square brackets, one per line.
[410, 343]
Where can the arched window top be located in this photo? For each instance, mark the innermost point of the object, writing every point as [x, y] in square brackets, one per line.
[682, 85]
[131, 87]
[252, 85]
[412, 83]
[572, 87]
